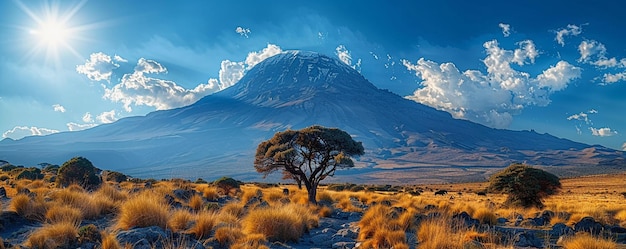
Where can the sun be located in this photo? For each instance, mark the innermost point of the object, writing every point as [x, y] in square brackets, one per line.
[53, 31]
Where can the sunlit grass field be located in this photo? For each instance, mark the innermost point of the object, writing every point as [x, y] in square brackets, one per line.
[257, 215]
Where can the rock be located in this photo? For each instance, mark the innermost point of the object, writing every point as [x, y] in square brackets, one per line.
[538, 222]
[560, 229]
[3, 193]
[346, 233]
[323, 240]
[588, 224]
[430, 207]
[466, 219]
[184, 195]
[617, 229]
[502, 220]
[527, 239]
[286, 192]
[139, 237]
[344, 245]
[473, 245]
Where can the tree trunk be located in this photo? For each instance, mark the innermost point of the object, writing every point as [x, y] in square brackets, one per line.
[312, 190]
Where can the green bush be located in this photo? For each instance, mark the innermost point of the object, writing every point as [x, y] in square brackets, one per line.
[80, 171]
[30, 174]
[226, 184]
[115, 176]
[525, 186]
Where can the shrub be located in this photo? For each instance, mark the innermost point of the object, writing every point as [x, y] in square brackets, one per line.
[80, 171]
[526, 186]
[30, 174]
[143, 210]
[59, 235]
[114, 176]
[226, 184]
[89, 233]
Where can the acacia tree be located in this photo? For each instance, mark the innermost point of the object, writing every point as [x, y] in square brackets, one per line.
[525, 186]
[308, 156]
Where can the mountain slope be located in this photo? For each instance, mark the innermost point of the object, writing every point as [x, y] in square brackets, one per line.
[216, 136]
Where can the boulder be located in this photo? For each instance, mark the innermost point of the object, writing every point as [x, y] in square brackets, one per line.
[527, 239]
[560, 229]
[142, 237]
[590, 225]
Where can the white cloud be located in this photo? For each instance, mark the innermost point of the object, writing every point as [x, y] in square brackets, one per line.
[610, 78]
[571, 29]
[243, 31]
[58, 108]
[492, 98]
[506, 29]
[603, 132]
[624, 147]
[99, 67]
[79, 127]
[594, 53]
[580, 116]
[119, 59]
[137, 88]
[107, 117]
[254, 58]
[589, 49]
[19, 132]
[87, 118]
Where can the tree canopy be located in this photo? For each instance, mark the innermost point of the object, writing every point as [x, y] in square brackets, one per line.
[308, 155]
[526, 186]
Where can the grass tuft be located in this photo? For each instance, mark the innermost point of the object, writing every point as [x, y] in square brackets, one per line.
[58, 235]
[586, 241]
[143, 210]
[283, 223]
[205, 221]
[64, 214]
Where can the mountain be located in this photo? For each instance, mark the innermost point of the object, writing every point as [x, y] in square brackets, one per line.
[405, 142]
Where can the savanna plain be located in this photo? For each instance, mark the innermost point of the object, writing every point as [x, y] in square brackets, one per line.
[588, 212]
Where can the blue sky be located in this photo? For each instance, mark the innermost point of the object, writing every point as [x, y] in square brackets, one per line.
[551, 66]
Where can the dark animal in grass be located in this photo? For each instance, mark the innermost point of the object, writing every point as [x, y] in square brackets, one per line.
[441, 192]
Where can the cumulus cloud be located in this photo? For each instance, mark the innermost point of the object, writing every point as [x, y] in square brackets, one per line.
[71, 126]
[99, 66]
[595, 53]
[243, 31]
[254, 58]
[138, 88]
[506, 29]
[58, 108]
[490, 98]
[571, 30]
[107, 117]
[119, 58]
[603, 132]
[19, 132]
[87, 118]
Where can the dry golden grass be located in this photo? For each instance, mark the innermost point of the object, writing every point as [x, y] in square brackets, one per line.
[210, 193]
[485, 216]
[64, 214]
[144, 210]
[379, 229]
[586, 241]
[58, 235]
[438, 234]
[228, 235]
[196, 203]
[109, 241]
[205, 221]
[30, 208]
[280, 223]
[180, 220]
[91, 206]
[251, 241]
[111, 192]
[235, 209]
